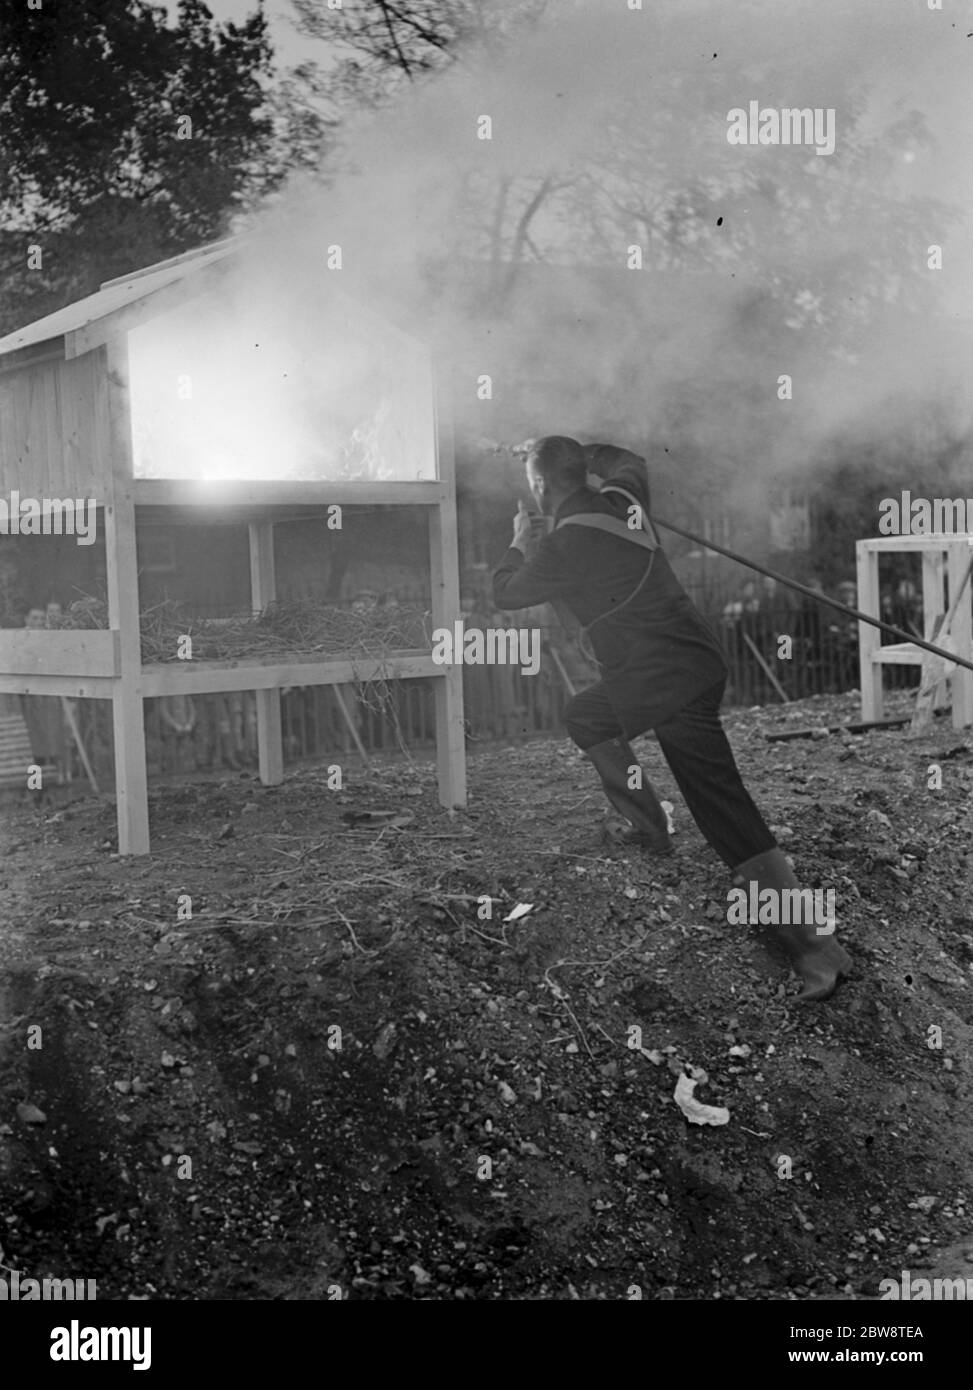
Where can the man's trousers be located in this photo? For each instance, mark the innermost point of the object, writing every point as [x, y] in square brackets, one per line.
[696, 749]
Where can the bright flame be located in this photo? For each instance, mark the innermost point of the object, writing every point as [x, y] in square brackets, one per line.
[229, 386]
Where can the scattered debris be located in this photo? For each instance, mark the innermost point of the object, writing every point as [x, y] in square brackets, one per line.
[362, 1172]
[385, 1041]
[521, 910]
[377, 820]
[695, 1112]
[30, 1114]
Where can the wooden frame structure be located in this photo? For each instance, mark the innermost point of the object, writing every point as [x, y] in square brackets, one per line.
[944, 557]
[65, 432]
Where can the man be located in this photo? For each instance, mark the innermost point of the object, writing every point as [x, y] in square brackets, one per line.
[662, 670]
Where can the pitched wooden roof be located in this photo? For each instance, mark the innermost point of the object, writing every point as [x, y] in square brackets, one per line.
[129, 300]
[73, 324]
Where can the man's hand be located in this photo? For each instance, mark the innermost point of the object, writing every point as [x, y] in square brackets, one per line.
[522, 528]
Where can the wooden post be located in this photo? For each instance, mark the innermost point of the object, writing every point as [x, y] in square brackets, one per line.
[945, 635]
[131, 783]
[869, 637]
[933, 607]
[933, 594]
[263, 590]
[444, 580]
[960, 621]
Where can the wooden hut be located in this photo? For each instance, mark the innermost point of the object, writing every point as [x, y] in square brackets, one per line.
[180, 393]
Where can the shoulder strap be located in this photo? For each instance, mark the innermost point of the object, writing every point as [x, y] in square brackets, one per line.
[634, 502]
[613, 525]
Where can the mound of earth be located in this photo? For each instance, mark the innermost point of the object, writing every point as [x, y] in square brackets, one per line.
[293, 1055]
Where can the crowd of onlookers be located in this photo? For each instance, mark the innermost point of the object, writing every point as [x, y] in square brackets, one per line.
[819, 657]
[823, 647]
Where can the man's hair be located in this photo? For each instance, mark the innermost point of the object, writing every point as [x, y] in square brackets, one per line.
[560, 461]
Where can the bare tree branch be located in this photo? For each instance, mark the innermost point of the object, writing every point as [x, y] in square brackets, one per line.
[420, 29]
[520, 235]
[387, 13]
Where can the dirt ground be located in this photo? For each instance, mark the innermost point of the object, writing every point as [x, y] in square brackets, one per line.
[336, 1078]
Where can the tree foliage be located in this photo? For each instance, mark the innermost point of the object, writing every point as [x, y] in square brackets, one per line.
[382, 43]
[125, 138]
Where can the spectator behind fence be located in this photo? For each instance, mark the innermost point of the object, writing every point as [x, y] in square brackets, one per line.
[745, 604]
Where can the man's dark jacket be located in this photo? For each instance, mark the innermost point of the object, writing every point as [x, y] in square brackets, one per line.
[656, 653]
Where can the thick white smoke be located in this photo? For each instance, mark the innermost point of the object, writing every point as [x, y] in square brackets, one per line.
[609, 129]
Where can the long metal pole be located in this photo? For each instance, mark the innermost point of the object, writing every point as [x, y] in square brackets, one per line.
[813, 593]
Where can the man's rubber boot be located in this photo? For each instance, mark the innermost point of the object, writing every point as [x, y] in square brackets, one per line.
[818, 960]
[640, 806]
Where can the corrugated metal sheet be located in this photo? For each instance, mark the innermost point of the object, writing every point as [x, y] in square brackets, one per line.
[114, 295]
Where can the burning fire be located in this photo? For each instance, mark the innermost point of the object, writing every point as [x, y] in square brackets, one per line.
[224, 388]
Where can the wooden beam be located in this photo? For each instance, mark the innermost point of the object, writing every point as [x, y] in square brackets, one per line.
[210, 497]
[33, 356]
[263, 590]
[272, 673]
[960, 625]
[869, 638]
[162, 516]
[898, 654]
[933, 603]
[444, 581]
[109, 329]
[61, 652]
[934, 541]
[72, 723]
[75, 687]
[562, 670]
[786, 735]
[933, 589]
[947, 630]
[766, 669]
[131, 783]
[212, 251]
[346, 716]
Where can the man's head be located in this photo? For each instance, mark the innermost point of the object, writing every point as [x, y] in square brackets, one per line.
[556, 467]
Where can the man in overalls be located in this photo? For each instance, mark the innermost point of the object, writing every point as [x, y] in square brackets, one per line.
[661, 667]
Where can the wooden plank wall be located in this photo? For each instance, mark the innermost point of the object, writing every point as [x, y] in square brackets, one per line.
[53, 439]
